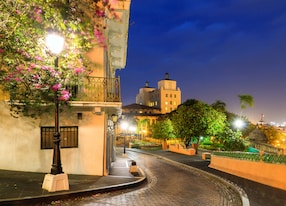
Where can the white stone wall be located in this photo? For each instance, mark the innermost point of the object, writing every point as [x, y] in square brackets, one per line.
[20, 143]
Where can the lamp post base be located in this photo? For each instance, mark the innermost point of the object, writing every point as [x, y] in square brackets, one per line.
[124, 155]
[54, 183]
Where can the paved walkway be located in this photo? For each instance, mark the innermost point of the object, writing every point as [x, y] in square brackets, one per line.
[25, 188]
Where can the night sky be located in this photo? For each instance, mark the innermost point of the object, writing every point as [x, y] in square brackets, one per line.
[214, 49]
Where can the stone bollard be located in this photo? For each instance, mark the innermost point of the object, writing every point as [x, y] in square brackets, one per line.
[134, 168]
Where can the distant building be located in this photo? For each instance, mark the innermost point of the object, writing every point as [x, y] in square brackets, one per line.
[151, 103]
[142, 116]
[166, 97]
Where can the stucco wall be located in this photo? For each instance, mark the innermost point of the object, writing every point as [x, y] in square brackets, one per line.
[265, 173]
[20, 143]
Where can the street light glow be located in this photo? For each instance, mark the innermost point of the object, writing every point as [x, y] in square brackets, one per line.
[238, 123]
[132, 129]
[124, 125]
[55, 43]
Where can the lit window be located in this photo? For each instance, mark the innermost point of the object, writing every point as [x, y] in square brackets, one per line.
[166, 103]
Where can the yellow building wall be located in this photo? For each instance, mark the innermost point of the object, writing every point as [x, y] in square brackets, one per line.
[96, 55]
[20, 147]
[3, 95]
[170, 100]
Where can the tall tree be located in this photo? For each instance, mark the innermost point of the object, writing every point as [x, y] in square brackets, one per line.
[163, 129]
[197, 119]
[219, 106]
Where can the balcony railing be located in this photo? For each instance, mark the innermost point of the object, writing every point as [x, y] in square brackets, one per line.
[96, 89]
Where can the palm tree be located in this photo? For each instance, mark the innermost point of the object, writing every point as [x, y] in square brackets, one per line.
[245, 100]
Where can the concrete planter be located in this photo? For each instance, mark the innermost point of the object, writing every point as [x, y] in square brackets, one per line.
[179, 149]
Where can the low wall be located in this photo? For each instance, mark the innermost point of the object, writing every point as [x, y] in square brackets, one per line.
[180, 149]
[265, 173]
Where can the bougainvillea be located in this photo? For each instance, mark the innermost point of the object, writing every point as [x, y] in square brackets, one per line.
[28, 70]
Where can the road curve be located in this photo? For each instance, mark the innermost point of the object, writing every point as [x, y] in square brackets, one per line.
[168, 184]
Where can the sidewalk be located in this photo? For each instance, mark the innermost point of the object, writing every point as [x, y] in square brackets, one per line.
[25, 188]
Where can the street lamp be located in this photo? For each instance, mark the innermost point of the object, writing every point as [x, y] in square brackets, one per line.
[55, 44]
[57, 180]
[124, 126]
[114, 119]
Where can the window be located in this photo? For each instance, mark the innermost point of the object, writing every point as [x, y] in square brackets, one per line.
[69, 137]
[166, 95]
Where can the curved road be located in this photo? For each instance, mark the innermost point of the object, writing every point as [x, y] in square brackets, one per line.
[258, 194]
[168, 184]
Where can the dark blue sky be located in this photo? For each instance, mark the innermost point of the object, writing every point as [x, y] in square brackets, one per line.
[214, 49]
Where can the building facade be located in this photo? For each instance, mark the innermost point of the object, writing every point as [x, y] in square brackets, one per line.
[86, 126]
[166, 97]
[151, 103]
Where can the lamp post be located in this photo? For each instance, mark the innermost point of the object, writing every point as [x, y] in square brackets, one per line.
[124, 126]
[114, 119]
[55, 44]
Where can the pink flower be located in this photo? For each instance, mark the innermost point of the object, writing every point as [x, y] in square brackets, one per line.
[1, 50]
[36, 77]
[100, 13]
[56, 87]
[38, 58]
[20, 68]
[100, 37]
[38, 86]
[65, 95]
[32, 65]
[53, 72]
[37, 10]
[78, 70]
[45, 67]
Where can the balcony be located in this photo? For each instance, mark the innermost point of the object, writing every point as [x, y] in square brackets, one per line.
[96, 89]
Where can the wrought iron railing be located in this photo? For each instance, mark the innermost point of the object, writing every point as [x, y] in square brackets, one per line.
[96, 89]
